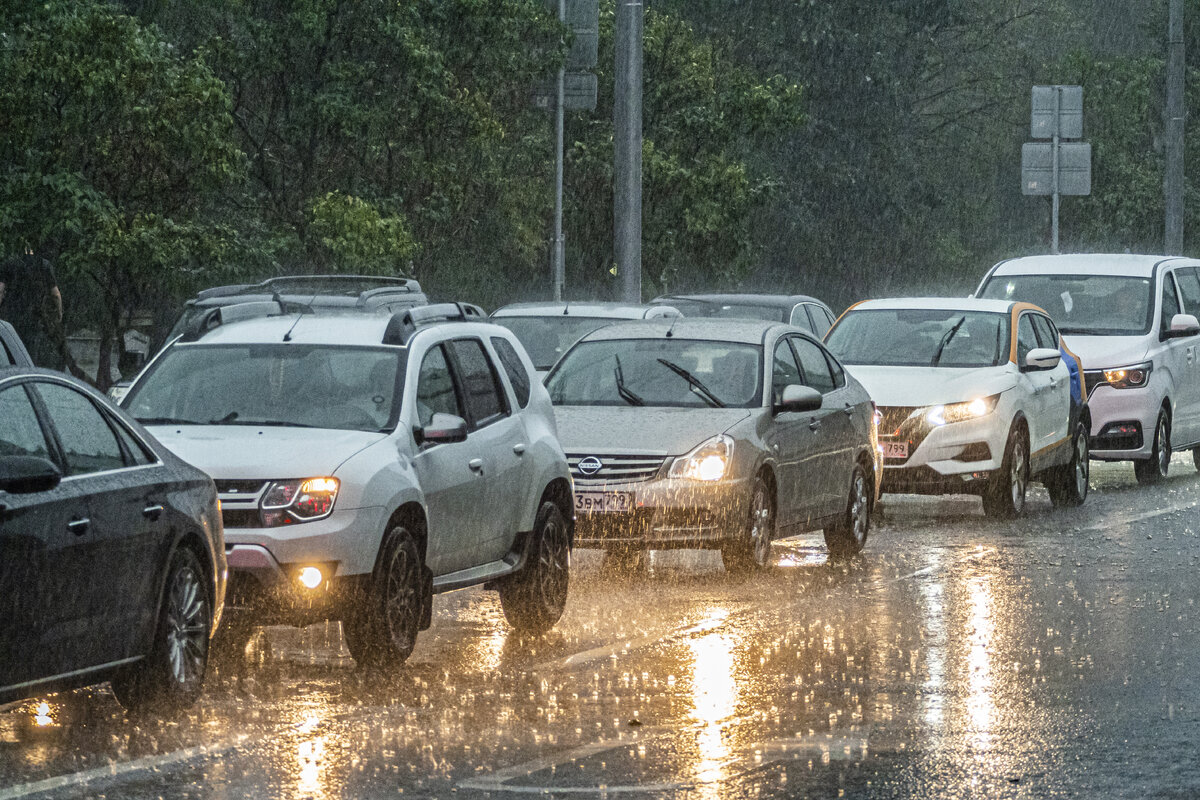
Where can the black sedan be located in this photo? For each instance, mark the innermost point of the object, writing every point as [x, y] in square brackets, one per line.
[112, 559]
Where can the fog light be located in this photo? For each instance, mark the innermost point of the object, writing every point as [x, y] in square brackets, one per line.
[310, 577]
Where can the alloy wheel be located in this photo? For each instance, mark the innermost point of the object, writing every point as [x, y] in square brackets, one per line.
[401, 603]
[1018, 476]
[1082, 464]
[187, 629]
[860, 509]
[760, 527]
[554, 560]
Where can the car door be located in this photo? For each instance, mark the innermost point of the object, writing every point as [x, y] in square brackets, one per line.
[1188, 281]
[1035, 386]
[791, 443]
[117, 546]
[1174, 358]
[833, 458]
[1058, 396]
[45, 589]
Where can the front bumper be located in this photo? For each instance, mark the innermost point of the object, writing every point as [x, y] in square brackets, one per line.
[1135, 408]
[667, 513]
[957, 458]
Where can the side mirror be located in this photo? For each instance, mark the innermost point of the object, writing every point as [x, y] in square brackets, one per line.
[1183, 325]
[27, 475]
[798, 398]
[443, 429]
[1040, 358]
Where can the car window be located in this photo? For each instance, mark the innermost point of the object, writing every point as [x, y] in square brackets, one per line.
[139, 454]
[20, 432]
[88, 443]
[813, 363]
[481, 390]
[1047, 336]
[1189, 286]
[821, 321]
[1170, 302]
[800, 318]
[435, 388]
[1026, 338]
[513, 367]
[6, 359]
[839, 374]
[784, 370]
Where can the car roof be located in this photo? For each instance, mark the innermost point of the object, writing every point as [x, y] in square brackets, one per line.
[747, 331]
[590, 309]
[1123, 264]
[742, 298]
[935, 304]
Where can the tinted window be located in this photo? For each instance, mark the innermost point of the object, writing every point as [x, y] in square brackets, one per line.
[814, 365]
[20, 433]
[839, 374]
[821, 321]
[1189, 286]
[1047, 336]
[89, 444]
[513, 367]
[1170, 302]
[435, 389]
[1026, 338]
[800, 318]
[138, 452]
[784, 371]
[6, 358]
[481, 389]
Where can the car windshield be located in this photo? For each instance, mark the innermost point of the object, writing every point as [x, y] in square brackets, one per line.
[658, 373]
[720, 310]
[1090, 305]
[288, 385]
[911, 337]
[547, 338]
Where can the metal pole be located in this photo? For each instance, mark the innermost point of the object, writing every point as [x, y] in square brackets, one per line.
[560, 273]
[1173, 176]
[1054, 171]
[627, 149]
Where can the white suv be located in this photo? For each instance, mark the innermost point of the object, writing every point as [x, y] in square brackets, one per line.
[1132, 320]
[366, 463]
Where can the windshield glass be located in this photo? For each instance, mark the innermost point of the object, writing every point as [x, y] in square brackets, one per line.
[1092, 305]
[547, 338]
[658, 372]
[705, 308]
[270, 384]
[905, 337]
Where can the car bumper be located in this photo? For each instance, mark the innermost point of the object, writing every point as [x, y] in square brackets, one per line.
[1123, 422]
[949, 459]
[666, 514]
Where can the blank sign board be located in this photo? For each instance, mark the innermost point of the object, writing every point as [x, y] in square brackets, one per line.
[1074, 168]
[1070, 112]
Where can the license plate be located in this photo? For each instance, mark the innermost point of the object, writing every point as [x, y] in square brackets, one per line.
[897, 450]
[603, 502]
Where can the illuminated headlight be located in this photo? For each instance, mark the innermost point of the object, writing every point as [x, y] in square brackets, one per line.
[961, 412]
[708, 462]
[304, 500]
[1134, 377]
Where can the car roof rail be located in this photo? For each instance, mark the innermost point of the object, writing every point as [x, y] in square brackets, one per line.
[383, 291]
[223, 315]
[380, 281]
[404, 324]
[223, 291]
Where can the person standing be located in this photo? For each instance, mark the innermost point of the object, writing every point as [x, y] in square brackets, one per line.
[31, 301]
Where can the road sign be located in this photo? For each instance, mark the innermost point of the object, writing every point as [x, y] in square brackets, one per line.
[579, 92]
[583, 18]
[1074, 168]
[1070, 112]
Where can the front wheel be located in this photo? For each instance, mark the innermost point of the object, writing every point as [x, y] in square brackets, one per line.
[848, 536]
[1068, 484]
[1005, 497]
[534, 598]
[1154, 469]
[750, 550]
[171, 675]
[382, 631]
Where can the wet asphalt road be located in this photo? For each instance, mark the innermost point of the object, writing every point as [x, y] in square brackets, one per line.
[1054, 656]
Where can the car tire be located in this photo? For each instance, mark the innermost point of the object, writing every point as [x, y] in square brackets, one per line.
[1068, 484]
[382, 630]
[1004, 498]
[171, 676]
[848, 536]
[751, 549]
[1154, 469]
[533, 599]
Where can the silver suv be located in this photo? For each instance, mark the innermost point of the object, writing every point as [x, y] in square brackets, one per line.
[366, 463]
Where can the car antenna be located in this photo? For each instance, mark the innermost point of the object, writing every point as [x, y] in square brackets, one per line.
[566, 307]
[287, 337]
[673, 321]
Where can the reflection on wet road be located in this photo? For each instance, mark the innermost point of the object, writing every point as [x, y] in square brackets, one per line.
[959, 657]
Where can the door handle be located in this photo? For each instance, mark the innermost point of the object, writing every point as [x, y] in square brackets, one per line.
[813, 425]
[79, 526]
[476, 464]
[519, 448]
[849, 409]
[152, 513]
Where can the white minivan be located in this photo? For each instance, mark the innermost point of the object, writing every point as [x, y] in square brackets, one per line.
[1132, 319]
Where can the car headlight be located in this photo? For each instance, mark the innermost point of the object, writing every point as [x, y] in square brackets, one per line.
[304, 500]
[961, 412]
[1133, 377]
[710, 461]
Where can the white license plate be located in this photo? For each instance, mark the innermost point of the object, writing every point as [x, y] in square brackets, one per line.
[603, 502]
[895, 450]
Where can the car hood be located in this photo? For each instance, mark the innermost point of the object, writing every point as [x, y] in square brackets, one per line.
[927, 386]
[1103, 352]
[244, 451]
[626, 429]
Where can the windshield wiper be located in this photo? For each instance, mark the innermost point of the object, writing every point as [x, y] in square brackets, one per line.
[695, 383]
[626, 393]
[225, 420]
[946, 337]
[166, 421]
[267, 423]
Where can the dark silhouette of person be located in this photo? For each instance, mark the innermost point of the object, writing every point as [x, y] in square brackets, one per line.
[31, 302]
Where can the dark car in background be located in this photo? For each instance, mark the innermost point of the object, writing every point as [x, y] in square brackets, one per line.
[12, 349]
[112, 557]
[800, 310]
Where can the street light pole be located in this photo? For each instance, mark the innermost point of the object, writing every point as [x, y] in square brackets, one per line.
[627, 148]
[1174, 176]
[560, 276]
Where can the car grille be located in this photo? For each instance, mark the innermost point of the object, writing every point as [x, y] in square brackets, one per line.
[247, 488]
[240, 518]
[893, 418]
[615, 468]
